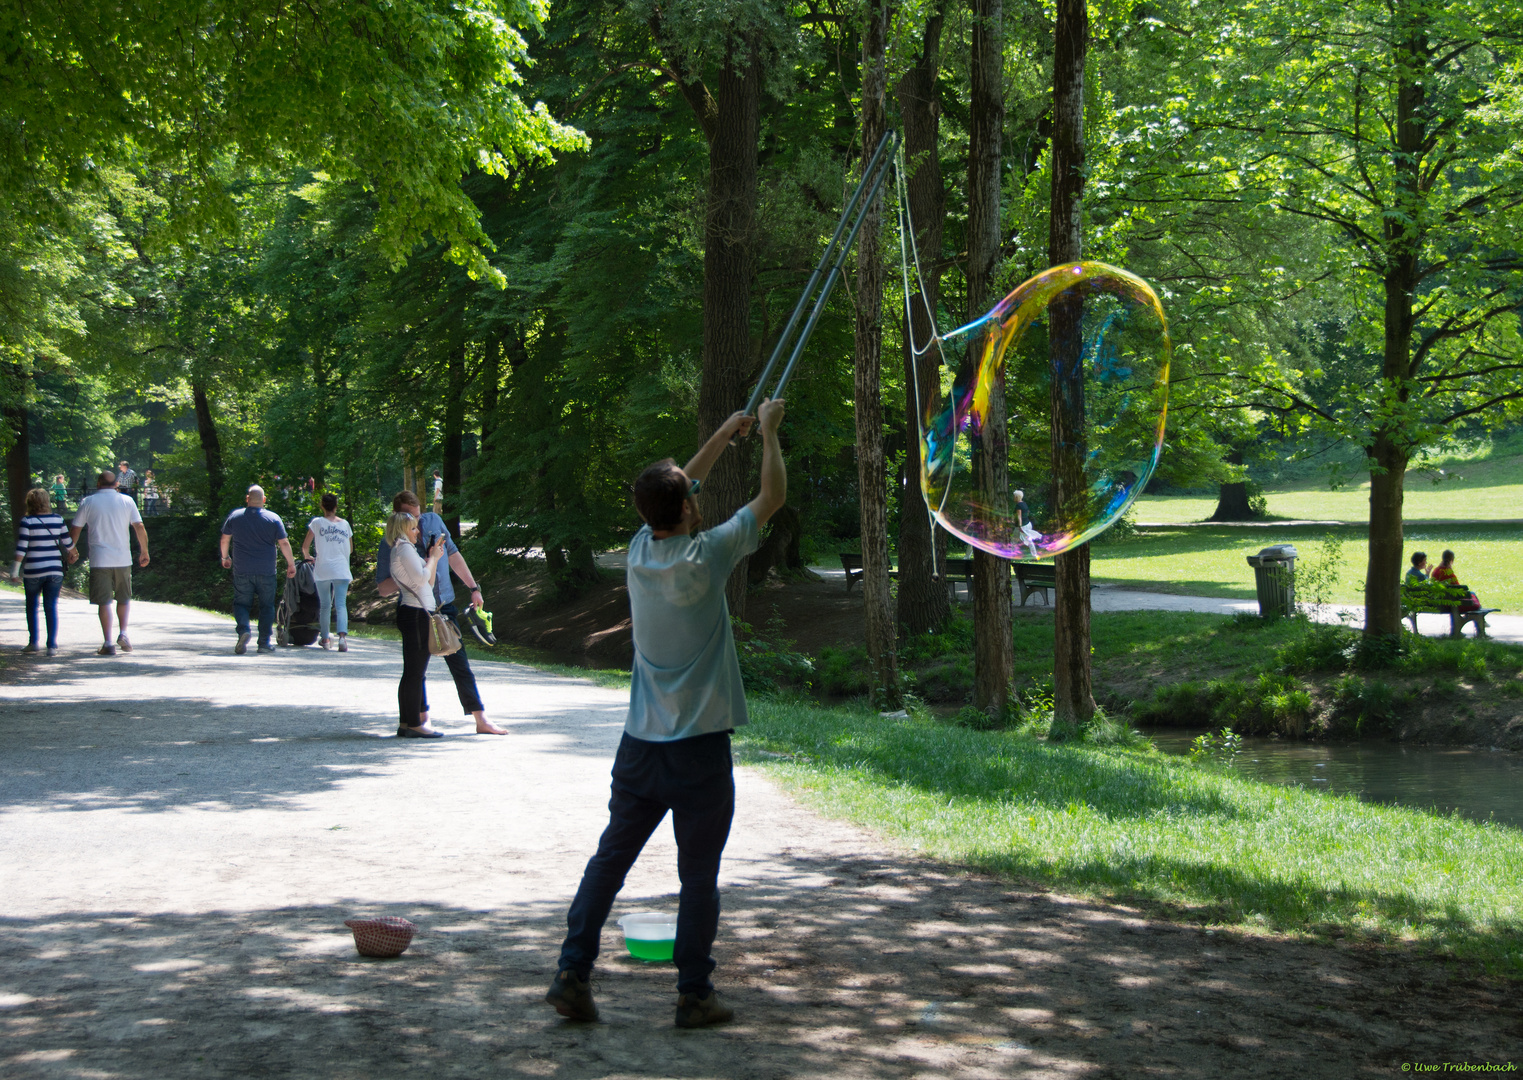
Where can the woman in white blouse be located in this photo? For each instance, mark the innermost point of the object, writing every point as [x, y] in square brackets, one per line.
[415, 577]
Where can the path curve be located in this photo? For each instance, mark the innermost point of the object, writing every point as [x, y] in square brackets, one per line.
[183, 831]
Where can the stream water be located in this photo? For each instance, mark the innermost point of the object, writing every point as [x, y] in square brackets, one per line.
[1485, 785]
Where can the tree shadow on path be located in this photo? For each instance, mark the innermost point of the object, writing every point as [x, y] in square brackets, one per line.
[838, 967]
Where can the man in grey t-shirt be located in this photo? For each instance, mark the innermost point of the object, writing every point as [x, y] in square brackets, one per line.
[685, 698]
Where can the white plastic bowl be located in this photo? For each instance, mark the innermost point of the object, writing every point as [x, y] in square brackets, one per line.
[649, 935]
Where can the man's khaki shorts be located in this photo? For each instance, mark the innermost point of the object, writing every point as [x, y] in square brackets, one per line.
[106, 581]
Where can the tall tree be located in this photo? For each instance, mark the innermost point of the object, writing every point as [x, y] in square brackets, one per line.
[1073, 698]
[992, 643]
[1396, 126]
[923, 601]
[882, 653]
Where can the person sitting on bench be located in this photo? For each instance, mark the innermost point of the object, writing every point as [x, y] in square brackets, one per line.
[1418, 572]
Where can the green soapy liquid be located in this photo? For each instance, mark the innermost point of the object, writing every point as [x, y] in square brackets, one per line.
[649, 951]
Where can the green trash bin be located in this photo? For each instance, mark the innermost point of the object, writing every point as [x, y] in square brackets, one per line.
[1274, 578]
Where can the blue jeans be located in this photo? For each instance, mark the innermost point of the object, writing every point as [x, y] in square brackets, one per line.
[246, 588]
[47, 588]
[337, 599]
[694, 779]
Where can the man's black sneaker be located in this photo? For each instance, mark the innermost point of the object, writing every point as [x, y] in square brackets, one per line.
[572, 996]
[695, 1012]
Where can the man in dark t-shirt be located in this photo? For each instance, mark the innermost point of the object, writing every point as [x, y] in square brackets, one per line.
[250, 535]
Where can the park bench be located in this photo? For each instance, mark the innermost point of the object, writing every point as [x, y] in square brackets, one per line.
[1036, 577]
[1442, 599]
[851, 562]
[954, 570]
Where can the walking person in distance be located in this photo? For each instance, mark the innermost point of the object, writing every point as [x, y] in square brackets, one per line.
[332, 541]
[413, 575]
[42, 546]
[250, 536]
[685, 699]
[430, 528]
[60, 493]
[126, 481]
[109, 514]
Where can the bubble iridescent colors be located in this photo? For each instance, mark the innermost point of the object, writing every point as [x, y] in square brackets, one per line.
[994, 414]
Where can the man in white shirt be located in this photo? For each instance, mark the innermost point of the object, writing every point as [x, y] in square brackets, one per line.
[108, 514]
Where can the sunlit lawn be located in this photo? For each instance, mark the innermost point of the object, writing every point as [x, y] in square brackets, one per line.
[1488, 490]
[1210, 560]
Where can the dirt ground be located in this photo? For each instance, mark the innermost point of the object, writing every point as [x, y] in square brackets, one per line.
[183, 832]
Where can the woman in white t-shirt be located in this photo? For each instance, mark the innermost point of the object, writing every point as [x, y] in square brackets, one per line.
[333, 540]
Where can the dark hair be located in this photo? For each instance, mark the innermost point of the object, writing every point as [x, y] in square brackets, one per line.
[330, 502]
[1448, 557]
[660, 492]
[1419, 557]
[404, 498]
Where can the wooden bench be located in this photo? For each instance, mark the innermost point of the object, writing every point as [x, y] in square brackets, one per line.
[1034, 578]
[1437, 598]
[954, 570]
[851, 562]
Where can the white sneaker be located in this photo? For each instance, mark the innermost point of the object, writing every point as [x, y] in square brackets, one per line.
[324, 643]
[343, 643]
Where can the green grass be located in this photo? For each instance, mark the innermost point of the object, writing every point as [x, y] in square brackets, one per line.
[1189, 841]
[1209, 560]
[1468, 490]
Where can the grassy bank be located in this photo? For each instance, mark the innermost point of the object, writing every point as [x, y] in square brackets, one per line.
[1188, 841]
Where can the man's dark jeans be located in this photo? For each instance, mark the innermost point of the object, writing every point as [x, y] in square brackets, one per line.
[246, 589]
[694, 779]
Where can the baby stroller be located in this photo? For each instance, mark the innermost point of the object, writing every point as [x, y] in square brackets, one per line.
[296, 617]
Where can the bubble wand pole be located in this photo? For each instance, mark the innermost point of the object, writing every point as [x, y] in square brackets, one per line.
[835, 271]
[874, 174]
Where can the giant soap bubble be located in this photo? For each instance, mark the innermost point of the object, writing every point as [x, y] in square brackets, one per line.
[1084, 341]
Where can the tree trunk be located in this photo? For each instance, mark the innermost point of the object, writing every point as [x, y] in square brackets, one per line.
[454, 434]
[18, 459]
[1073, 697]
[211, 447]
[872, 480]
[992, 646]
[1232, 500]
[923, 602]
[1391, 450]
[728, 358]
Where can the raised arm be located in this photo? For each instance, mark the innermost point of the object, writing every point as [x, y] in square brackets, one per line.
[699, 465]
[774, 476]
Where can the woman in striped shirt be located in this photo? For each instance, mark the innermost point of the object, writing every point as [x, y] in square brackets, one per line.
[42, 544]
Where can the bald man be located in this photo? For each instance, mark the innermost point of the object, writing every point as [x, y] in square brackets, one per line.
[250, 535]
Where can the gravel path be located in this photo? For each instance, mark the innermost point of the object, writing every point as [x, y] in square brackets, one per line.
[183, 832]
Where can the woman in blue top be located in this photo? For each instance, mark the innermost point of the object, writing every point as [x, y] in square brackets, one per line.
[42, 545]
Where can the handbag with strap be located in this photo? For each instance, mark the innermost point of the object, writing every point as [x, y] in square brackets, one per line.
[443, 634]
